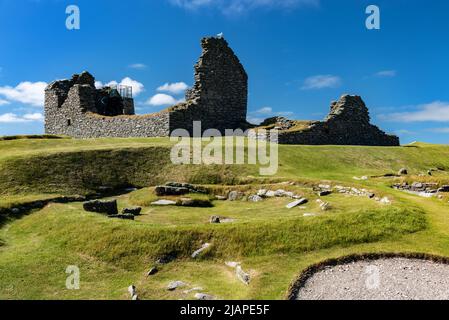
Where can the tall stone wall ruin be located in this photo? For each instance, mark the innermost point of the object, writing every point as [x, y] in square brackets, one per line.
[218, 99]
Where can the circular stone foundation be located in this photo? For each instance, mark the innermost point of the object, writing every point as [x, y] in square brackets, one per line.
[380, 279]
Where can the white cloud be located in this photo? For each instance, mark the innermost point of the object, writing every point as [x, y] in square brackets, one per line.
[138, 66]
[321, 82]
[242, 6]
[162, 99]
[255, 120]
[386, 74]
[265, 110]
[14, 118]
[174, 88]
[4, 102]
[136, 85]
[25, 92]
[437, 111]
[34, 117]
[99, 84]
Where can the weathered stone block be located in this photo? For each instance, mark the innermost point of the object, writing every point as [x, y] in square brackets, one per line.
[108, 207]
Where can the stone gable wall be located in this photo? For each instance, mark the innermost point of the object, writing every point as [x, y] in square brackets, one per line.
[348, 123]
[218, 99]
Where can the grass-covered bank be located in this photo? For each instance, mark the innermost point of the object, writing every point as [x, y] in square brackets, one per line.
[69, 166]
[38, 247]
[273, 243]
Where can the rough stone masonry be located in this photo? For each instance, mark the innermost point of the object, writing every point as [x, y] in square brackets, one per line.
[348, 123]
[218, 99]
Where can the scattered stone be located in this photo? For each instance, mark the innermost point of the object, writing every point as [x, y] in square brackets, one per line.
[297, 203]
[242, 275]
[403, 172]
[440, 197]
[235, 195]
[255, 198]
[186, 202]
[215, 219]
[324, 206]
[324, 193]
[15, 210]
[167, 258]
[270, 194]
[422, 189]
[152, 271]
[354, 191]
[361, 178]
[203, 296]
[200, 250]
[221, 198]
[444, 188]
[170, 191]
[135, 211]
[262, 193]
[132, 290]
[227, 220]
[135, 297]
[385, 200]
[279, 193]
[429, 172]
[191, 187]
[172, 286]
[108, 207]
[164, 203]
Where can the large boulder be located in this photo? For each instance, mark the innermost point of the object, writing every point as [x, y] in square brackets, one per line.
[108, 207]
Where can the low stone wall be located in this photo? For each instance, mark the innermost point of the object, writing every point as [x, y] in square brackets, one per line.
[94, 126]
[74, 119]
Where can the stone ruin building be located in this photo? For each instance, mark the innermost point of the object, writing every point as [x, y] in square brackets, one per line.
[348, 123]
[218, 99]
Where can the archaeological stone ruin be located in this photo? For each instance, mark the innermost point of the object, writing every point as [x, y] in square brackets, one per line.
[348, 123]
[218, 99]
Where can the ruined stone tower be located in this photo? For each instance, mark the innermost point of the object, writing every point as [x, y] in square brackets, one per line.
[218, 99]
[219, 96]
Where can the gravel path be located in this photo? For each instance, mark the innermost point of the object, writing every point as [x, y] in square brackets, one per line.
[383, 279]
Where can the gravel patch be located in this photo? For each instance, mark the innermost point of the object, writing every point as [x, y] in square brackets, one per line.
[382, 279]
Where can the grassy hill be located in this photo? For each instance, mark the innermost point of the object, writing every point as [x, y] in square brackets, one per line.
[272, 242]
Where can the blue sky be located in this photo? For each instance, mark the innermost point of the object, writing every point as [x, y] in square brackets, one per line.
[299, 54]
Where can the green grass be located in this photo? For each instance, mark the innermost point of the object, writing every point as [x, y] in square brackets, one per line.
[273, 243]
